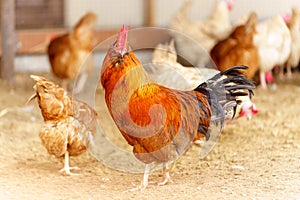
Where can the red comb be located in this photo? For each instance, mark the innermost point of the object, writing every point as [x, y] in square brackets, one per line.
[286, 17]
[230, 4]
[254, 109]
[269, 77]
[122, 38]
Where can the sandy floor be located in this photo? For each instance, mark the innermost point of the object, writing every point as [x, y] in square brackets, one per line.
[258, 159]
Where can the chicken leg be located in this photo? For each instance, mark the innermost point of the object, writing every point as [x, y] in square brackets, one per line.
[262, 77]
[166, 172]
[289, 74]
[144, 184]
[65, 84]
[67, 167]
[79, 85]
[146, 176]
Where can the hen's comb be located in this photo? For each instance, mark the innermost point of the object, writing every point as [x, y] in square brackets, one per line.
[286, 17]
[230, 4]
[122, 38]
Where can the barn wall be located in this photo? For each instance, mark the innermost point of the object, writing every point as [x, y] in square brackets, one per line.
[113, 13]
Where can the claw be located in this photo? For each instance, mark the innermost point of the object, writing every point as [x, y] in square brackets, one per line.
[144, 184]
[167, 179]
[67, 171]
[166, 172]
[67, 167]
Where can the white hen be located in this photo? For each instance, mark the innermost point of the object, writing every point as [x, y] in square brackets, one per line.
[199, 34]
[168, 72]
[273, 41]
[294, 57]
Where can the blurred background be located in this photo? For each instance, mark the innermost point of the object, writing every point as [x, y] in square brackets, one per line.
[114, 13]
[38, 21]
[62, 40]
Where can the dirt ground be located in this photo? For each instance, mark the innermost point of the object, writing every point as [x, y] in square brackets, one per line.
[257, 159]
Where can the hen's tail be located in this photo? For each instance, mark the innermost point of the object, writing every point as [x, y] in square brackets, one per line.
[223, 91]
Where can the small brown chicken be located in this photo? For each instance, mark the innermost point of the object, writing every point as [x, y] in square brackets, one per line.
[69, 124]
[70, 54]
[238, 49]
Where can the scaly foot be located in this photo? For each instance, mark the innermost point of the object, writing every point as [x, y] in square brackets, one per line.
[144, 183]
[67, 168]
[167, 179]
[67, 171]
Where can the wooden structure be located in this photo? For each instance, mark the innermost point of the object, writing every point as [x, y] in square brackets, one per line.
[39, 14]
[36, 40]
[149, 13]
[9, 39]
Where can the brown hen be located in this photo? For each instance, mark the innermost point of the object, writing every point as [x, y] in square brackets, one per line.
[69, 125]
[70, 54]
[238, 49]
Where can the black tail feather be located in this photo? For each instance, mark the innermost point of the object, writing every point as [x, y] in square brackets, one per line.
[234, 81]
[234, 71]
[227, 86]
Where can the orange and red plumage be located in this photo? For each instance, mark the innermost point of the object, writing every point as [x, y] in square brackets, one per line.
[160, 123]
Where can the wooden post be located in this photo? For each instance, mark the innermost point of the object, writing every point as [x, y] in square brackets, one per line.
[149, 13]
[8, 38]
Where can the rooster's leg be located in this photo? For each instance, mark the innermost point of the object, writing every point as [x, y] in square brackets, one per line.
[67, 167]
[166, 172]
[146, 176]
[144, 184]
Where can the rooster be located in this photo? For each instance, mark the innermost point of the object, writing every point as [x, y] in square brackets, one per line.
[162, 123]
[70, 54]
[69, 125]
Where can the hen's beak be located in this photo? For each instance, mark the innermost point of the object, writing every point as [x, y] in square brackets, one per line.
[31, 98]
[36, 78]
[121, 42]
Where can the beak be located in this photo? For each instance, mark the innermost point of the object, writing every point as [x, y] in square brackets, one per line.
[35, 77]
[31, 98]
